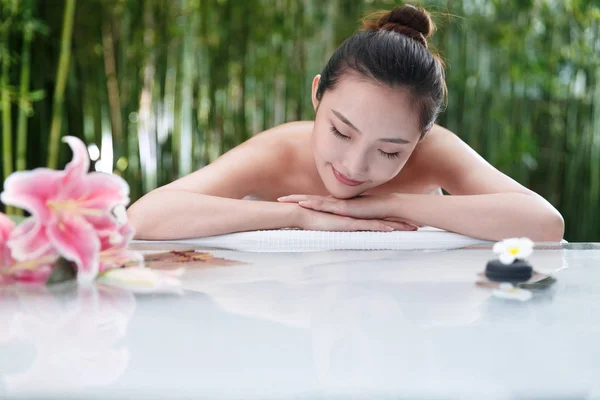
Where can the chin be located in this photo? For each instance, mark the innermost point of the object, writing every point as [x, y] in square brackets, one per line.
[342, 196]
[338, 192]
[338, 189]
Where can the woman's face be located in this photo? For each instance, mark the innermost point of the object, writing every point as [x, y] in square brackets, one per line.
[364, 133]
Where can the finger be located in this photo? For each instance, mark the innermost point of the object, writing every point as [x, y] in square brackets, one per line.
[403, 220]
[295, 198]
[401, 226]
[370, 225]
[337, 207]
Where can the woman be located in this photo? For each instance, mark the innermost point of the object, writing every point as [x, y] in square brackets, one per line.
[372, 159]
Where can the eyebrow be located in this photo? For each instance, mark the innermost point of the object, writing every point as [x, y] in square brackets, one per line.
[351, 125]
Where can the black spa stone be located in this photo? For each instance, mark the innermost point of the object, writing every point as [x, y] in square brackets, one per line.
[518, 271]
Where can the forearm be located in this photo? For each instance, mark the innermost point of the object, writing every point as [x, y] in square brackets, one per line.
[173, 214]
[489, 216]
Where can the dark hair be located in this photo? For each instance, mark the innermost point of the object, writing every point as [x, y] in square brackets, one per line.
[392, 49]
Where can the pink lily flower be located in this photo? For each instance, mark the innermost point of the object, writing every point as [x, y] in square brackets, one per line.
[113, 249]
[66, 208]
[6, 228]
[31, 269]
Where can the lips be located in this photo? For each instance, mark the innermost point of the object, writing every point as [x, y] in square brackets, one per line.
[345, 180]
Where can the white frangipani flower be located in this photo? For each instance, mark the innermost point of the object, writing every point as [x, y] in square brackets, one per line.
[513, 249]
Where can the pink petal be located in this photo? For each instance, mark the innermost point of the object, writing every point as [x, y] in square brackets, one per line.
[106, 239]
[103, 224]
[29, 240]
[124, 233]
[31, 190]
[38, 275]
[6, 227]
[77, 241]
[98, 190]
[80, 163]
[127, 232]
[6, 259]
[115, 254]
[121, 257]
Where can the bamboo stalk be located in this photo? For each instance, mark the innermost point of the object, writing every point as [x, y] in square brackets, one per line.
[61, 81]
[188, 77]
[594, 198]
[126, 83]
[112, 86]
[24, 106]
[7, 140]
[147, 143]
[178, 62]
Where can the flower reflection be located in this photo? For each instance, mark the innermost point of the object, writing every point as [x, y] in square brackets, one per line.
[74, 331]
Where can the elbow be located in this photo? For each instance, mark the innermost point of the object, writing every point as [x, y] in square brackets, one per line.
[134, 220]
[559, 227]
[137, 221]
[552, 228]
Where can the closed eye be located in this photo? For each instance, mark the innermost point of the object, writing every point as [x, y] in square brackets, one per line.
[338, 134]
[390, 156]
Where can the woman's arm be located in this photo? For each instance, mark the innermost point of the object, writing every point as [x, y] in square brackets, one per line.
[178, 214]
[487, 216]
[484, 202]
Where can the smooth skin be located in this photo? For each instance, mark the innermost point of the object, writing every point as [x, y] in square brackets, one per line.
[367, 132]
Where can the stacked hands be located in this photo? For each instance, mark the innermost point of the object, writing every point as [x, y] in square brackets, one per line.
[362, 213]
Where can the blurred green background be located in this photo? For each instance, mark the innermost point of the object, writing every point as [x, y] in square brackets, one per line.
[159, 88]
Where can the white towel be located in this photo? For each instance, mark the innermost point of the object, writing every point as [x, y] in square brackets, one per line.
[293, 240]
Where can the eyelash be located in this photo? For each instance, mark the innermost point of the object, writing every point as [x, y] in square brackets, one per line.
[338, 134]
[390, 156]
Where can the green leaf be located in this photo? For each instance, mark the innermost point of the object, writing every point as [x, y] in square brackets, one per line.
[63, 271]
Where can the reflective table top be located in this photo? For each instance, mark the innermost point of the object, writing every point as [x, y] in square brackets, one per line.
[324, 325]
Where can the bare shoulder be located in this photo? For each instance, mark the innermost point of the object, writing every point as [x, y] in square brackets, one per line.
[277, 147]
[424, 163]
[446, 159]
[284, 137]
[243, 170]
[436, 140]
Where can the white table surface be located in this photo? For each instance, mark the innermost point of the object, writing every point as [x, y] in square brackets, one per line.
[321, 325]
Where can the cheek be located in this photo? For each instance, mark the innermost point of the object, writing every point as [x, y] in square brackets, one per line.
[325, 146]
[384, 170]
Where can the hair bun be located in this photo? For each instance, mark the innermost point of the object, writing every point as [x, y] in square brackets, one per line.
[408, 20]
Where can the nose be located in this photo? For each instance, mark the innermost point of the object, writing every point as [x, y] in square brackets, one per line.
[356, 164]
